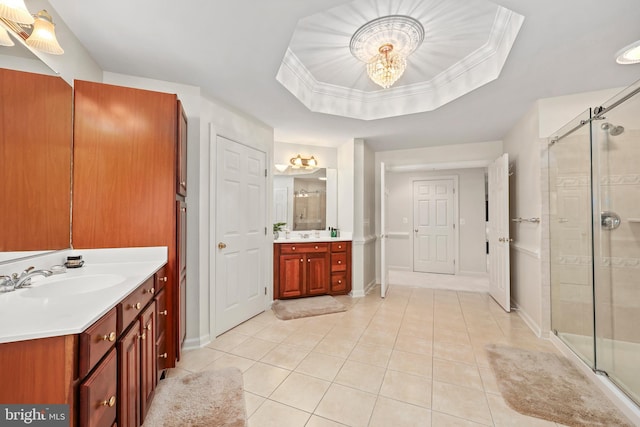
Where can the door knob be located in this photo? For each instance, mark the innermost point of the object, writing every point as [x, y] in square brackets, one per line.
[222, 245]
[416, 230]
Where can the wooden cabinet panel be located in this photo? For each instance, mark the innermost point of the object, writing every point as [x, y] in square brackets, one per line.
[148, 373]
[129, 377]
[161, 278]
[181, 176]
[132, 305]
[339, 261]
[291, 248]
[317, 274]
[96, 341]
[291, 275]
[339, 246]
[338, 283]
[182, 269]
[98, 394]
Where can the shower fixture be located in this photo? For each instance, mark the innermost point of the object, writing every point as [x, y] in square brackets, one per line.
[612, 129]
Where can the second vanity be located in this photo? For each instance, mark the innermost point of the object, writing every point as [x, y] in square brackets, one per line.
[310, 266]
[91, 338]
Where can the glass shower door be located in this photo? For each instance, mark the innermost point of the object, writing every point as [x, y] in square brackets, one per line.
[570, 220]
[616, 160]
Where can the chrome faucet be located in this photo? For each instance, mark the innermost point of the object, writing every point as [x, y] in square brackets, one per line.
[24, 279]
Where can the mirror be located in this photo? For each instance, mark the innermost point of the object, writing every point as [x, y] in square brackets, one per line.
[306, 199]
[35, 142]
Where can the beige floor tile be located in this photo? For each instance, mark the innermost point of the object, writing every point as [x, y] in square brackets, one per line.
[461, 374]
[373, 355]
[380, 339]
[252, 402]
[253, 348]
[439, 419]
[462, 402]
[316, 421]
[361, 376]
[503, 416]
[489, 381]
[196, 360]
[412, 344]
[347, 406]
[263, 379]
[228, 361]
[276, 332]
[335, 347]
[320, 366]
[285, 356]
[408, 388]
[411, 363]
[301, 391]
[451, 336]
[227, 341]
[388, 412]
[274, 414]
[455, 352]
[304, 339]
[249, 327]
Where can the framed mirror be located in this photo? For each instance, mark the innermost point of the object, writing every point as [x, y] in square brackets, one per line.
[306, 199]
[36, 142]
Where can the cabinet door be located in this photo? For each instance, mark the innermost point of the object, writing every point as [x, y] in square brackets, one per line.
[182, 269]
[98, 394]
[148, 372]
[181, 176]
[292, 268]
[317, 274]
[129, 377]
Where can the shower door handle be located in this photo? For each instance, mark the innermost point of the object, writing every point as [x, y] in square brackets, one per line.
[609, 220]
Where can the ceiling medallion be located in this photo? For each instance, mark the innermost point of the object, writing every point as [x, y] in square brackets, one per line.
[384, 45]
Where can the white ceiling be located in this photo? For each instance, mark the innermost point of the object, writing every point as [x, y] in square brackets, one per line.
[233, 49]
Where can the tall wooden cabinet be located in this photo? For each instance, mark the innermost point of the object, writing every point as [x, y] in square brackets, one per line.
[129, 172]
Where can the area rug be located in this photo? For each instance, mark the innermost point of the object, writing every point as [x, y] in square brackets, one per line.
[306, 307]
[203, 399]
[548, 386]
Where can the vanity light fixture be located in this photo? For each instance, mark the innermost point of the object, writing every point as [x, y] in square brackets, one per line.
[43, 36]
[15, 11]
[5, 39]
[281, 168]
[629, 54]
[302, 162]
[384, 45]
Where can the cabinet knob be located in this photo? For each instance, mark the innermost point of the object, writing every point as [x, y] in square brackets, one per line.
[293, 248]
[222, 245]
[162, 279]
[316, 247]
[143, 336]
[111, 337]
[151, 291]
[163, 312]
[309, 260]
[301, 260]
[339, 282]
[183, 209]
[339, 262]
[136, 306]
[339, 246]
[162, 356]
[183, 183]
[149, 327]
[110, 402]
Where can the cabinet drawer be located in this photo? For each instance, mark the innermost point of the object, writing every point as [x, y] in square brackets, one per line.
[339, 262]
[338, 282]
[338, 246]
[292, 248]
[161, 278]
[161, 351]
[96, 341]
[131, 306]
[163, 312]
[98, 394]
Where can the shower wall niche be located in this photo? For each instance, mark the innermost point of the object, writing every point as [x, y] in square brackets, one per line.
[594, 190]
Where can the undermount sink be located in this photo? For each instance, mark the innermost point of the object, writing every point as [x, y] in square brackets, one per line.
[66, 286]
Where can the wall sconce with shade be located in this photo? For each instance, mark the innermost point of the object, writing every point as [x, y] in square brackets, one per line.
[37, 31]
[629, 54]
[384, 45]
[303, 162]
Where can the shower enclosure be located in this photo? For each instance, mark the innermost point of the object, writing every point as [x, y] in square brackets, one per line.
[594, 223]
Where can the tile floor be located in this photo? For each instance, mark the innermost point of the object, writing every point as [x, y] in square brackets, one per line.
[415, 358]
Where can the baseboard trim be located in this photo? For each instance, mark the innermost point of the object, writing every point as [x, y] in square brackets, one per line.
[527, 319]
[363, 292]
[621, 400]
[196, 343]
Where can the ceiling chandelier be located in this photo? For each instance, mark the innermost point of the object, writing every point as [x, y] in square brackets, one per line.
[384, 45]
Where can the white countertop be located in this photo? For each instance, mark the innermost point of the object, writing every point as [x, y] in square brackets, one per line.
[24, 316]
[298, 237]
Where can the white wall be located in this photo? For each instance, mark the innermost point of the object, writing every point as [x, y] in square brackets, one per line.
[283, 152]
[421, 161]
[346, 187]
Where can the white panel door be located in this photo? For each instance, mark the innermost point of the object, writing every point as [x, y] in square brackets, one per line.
[280, 204]
[240, 239]
[433, 226]
[499, 280]
[384, 272]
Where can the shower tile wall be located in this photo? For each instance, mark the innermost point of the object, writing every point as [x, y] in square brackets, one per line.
[570, 225]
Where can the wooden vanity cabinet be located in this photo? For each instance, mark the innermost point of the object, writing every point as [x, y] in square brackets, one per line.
[129, 377]
[309, 269]
[98, 394]
[129, 151]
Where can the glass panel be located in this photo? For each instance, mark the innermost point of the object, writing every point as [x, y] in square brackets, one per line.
[617, 242]
[571, 237]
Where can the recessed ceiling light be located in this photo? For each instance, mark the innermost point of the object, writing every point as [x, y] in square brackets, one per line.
[629, 54]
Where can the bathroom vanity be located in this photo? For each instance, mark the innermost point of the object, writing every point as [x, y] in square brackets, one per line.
[92, 338]
[309, 267]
